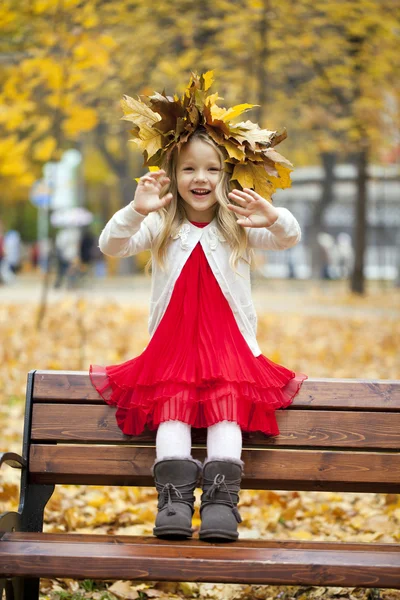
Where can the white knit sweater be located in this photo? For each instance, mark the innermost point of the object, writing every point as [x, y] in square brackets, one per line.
[128, 232]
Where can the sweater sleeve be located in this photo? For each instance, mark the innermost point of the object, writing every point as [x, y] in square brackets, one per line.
[126, 233]
[282, 234]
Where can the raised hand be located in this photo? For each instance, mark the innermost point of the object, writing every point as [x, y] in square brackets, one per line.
[147, 195]
[255, 210]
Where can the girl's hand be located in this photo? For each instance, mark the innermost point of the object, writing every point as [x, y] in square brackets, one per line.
[147, 195]
[255, 210]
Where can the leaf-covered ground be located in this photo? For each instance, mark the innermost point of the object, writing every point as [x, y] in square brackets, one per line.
[350, 343]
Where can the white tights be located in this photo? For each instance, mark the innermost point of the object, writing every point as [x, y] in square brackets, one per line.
[224, 440]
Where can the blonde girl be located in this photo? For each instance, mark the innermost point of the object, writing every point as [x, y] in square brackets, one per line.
[202, 367]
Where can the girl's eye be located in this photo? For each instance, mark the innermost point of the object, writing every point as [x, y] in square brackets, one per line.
[214, 169]
[188, 169]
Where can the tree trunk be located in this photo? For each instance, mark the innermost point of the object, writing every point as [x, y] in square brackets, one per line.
[357, 279]
[328, 160]
[262, 63]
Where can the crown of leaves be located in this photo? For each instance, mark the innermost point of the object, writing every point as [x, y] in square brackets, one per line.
[162, 123]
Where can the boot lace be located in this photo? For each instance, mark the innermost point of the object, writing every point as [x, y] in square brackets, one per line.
[167, 489]
[219, 480]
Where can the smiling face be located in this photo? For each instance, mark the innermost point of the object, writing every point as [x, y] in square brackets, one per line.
[198, 172]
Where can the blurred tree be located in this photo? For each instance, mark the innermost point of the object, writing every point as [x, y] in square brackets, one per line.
[319, 68]
[345, 60]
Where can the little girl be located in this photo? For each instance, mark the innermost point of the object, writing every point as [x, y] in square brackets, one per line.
[202, 367]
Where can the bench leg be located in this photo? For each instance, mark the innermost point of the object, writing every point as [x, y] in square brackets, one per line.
[32, 506]
[33, 503]
[19, 588]
[14, 588]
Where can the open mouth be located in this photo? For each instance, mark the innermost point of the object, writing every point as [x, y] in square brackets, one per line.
[201, 192]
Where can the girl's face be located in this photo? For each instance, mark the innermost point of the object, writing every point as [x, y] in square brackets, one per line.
[198, 172]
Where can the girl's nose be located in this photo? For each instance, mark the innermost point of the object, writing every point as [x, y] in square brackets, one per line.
[200, 177]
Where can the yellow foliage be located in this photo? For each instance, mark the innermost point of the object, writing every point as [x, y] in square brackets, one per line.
[12, 156]
[359, 341]
[79, 118]
[44, 149]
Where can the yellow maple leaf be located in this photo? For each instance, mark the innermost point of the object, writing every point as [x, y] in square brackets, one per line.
[261, 184]
[252, 133]
[234, 151]
[283, 181]
[253, 176]
[243, 175]
[212, 99]
[208, 79]
[222, 114]
[149, 140]
[137, 112]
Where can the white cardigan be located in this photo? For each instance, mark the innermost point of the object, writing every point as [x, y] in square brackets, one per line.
[128, 232]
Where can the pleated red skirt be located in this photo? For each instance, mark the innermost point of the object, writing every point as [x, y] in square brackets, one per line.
[197, 367]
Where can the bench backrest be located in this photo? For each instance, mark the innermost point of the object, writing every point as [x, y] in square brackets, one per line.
[338, 434]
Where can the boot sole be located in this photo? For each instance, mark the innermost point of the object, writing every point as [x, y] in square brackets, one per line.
[173, 533]
[218, 535]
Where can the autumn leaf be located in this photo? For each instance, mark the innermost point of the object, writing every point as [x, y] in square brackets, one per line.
[252, 133]
[149, 140]
[283, 181]
[234, 151]
[137, 111]
[226, 115]
[208, 79]
[253, 176]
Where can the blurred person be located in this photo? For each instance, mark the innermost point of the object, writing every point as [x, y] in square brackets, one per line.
[344, 255]
[34, 254]
[13, 250]
[86, 249]
[1, 250]
[100, 267]
[45, 249]
[327, 247]
[291, 265]
[67, 243]
[203, 366]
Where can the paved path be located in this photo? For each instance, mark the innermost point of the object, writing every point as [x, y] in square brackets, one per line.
[277, 296]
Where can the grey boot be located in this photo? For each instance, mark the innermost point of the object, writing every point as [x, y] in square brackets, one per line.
[218, 510]
[175, 479]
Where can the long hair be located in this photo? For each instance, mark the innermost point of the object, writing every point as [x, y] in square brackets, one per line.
[173, 215]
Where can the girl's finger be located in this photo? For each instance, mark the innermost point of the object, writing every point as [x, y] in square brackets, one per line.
[252, 193]
[247, 195]
[239, 210]
[239, 199]
[165, 199]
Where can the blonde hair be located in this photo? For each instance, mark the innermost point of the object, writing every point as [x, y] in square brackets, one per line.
[173, 215]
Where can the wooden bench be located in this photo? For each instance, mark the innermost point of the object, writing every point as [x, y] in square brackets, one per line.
[339, 435]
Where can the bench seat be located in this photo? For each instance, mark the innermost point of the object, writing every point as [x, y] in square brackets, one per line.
[338, 435]
[246, 561]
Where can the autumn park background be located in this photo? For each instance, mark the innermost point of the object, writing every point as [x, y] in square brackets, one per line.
[326, 71]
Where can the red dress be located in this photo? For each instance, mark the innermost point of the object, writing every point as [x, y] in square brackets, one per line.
[197, 367]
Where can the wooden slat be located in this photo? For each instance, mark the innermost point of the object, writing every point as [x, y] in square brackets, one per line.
[278, 469]
[251, 563]
[332, 394]
[83, 538]
[91, 423]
